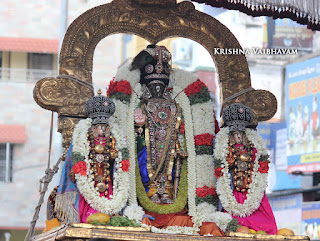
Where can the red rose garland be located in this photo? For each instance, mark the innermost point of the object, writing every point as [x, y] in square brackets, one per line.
[218, 172]
[121, 86]
[194, 88]
[125, 164]
[204, 139]
[264, 167]
[80, 167]
[182, 128]
[206, 191]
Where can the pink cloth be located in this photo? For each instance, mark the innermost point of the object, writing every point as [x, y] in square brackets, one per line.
[84, 208]
[261, 219]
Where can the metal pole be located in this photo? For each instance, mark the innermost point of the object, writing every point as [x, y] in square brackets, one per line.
[7, 179]
[63, 25]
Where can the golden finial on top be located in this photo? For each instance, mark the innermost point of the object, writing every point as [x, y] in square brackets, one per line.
[99, 92]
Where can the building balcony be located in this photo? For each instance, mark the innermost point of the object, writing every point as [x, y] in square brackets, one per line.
[24, 75]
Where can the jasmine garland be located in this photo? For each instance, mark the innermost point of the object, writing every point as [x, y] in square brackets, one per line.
[259, 180]
[85, 183]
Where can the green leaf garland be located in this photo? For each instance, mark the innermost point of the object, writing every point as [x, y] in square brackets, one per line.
[201, 150]
[201, 97]
[76, 157]
[208, 199]
[233, 225]
[179, 203]
[121, 96]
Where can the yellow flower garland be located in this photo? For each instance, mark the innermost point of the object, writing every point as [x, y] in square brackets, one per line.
[179, 203]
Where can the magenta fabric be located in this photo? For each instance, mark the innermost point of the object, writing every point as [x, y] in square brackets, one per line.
[261, 219]
[84, 208]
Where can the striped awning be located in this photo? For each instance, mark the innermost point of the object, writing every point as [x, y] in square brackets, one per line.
[306, 12]
[30, 45]
[15, 134]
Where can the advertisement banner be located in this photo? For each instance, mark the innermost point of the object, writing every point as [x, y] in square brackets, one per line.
[289, 34]
[275, 137]
[311, 219]
[303, 130]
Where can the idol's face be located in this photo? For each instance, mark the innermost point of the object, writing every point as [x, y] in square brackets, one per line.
[238, 137]
[156, 88]
[99, 130]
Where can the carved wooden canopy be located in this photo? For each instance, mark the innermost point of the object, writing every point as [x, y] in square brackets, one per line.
[153, 20]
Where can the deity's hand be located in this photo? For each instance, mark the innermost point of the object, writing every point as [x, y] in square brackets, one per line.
[113, 154]
[72, 176]
[139, 117]
[183, 154]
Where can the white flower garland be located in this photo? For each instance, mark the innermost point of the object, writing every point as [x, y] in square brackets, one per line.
[203, 118]
[85, 183]
[184, 103]
[208, 212]
[259, 180]
[134, 212]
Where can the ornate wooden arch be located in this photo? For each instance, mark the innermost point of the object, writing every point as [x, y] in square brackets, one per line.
[154, 21]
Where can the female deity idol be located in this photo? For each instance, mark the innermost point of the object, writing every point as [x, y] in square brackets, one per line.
[241, 169]
[168, 116]
[95, 174]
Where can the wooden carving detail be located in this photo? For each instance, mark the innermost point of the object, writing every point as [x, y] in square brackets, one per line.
[153, 23]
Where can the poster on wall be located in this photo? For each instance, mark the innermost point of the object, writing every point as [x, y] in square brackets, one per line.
[303, 106]
[311, 219]
[275, 137]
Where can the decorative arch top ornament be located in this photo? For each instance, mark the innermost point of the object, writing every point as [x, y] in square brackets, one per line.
[153, 20]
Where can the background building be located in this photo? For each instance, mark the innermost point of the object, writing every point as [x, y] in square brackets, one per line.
[29, 45]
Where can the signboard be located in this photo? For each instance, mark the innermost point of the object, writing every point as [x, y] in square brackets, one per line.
[303, 130]
[311, 219]
[289, 34]
[287, 211]
[275, 137]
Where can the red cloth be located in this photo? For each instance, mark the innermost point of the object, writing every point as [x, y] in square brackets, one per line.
[261, 219]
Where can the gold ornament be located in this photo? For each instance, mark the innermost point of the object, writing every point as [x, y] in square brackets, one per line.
[244, 157]
[99, 148]
[101, 187]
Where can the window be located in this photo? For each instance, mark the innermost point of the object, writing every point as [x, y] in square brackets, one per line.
[6, 157]
[40, 61]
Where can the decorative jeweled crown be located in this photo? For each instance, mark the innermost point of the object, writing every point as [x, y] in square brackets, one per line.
[99, 108]
[237, 116]
[153, 63]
